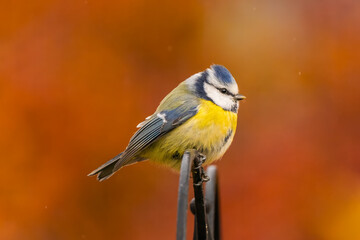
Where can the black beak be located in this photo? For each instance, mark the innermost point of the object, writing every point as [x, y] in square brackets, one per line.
[239, 97]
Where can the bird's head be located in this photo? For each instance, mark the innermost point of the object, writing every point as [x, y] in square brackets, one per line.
[217, 85]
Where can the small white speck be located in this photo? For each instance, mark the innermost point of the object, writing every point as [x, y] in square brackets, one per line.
[45, 206]
[299, 73]
[162, 116]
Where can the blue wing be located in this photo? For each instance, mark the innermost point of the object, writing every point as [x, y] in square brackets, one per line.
[155, 127]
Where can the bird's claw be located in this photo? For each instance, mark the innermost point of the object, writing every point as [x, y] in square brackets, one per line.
[201, 159]
[204, 176]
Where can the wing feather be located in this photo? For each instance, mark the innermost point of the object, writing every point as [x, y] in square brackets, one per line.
[154, 128]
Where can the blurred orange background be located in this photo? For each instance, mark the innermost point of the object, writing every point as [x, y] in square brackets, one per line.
[76, 77]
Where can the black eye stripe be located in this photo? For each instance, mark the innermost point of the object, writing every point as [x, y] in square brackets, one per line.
[225, 91]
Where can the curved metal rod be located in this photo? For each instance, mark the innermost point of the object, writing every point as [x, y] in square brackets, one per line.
[183, 193]
[205, 208]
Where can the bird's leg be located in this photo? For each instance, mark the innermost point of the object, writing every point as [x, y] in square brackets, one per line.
[200, 159]
[204, 177]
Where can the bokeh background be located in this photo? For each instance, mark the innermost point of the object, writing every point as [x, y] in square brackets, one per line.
[76, 77]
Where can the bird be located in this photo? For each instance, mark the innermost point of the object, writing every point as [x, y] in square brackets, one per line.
[200, 113]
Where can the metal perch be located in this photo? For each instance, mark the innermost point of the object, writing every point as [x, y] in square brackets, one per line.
[206, 210]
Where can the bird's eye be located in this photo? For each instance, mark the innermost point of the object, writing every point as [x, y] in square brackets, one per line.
[223, 90]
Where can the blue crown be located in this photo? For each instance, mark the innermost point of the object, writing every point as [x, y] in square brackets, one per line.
[223, 74]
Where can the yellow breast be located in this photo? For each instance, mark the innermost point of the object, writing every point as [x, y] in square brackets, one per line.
[210, 131]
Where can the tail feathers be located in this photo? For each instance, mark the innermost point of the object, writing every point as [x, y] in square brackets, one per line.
[107, 169]
[110, 167]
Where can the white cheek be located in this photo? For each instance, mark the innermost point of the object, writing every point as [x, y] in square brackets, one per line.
[224, 101]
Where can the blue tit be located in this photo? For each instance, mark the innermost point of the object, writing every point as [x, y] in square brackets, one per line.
[200, 113]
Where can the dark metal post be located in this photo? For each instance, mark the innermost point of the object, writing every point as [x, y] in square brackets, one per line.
[200, 216]
[205, 209]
